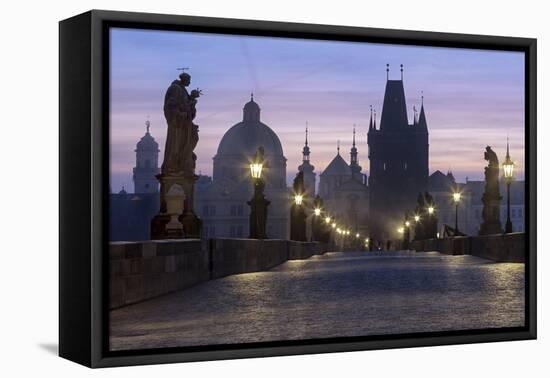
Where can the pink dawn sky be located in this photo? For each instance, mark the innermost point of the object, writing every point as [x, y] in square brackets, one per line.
[472, 98]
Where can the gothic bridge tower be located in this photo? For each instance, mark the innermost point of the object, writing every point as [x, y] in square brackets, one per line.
[399, 166]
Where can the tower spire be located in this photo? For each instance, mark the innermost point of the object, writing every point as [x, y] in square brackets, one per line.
[306, 132]
[387, 71]
[147, 125]
[353, 144]
[401, 72]
[338, 146]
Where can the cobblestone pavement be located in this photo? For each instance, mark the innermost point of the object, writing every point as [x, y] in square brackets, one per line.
[337, 294]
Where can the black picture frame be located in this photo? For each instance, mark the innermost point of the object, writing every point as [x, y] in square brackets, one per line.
[83, 228]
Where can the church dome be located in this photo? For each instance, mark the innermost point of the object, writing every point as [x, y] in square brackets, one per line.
[245, 137]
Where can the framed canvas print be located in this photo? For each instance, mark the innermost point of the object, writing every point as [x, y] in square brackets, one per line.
[234, 188]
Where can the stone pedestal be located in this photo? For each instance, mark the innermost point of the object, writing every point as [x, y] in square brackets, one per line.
[258, 211]
[491, 215]
[298, 223]
[176, 218]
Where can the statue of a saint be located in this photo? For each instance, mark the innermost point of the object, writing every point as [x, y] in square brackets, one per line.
[183, 134]
[491, 197]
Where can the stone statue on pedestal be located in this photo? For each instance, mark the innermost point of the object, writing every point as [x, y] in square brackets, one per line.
[178, 166]
[491, 197]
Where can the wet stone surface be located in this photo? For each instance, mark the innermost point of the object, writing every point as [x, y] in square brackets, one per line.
[337, 294]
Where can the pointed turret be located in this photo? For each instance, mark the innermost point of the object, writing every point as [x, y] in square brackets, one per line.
[354, 163]
[422, 119]
[307, 169]
[305, 150]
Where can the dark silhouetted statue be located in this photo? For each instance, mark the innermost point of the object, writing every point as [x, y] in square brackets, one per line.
[177, 177]
[491, 197]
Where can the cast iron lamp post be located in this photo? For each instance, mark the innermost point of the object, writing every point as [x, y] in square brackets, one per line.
[508, 168]
[456, 199]
[258, 204]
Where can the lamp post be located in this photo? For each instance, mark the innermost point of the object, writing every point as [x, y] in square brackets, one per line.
[508, 168]
[258, 204]
[456, 199]
[298, 215]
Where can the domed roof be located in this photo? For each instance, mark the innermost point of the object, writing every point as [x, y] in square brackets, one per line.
[245, 137]
[147, 142]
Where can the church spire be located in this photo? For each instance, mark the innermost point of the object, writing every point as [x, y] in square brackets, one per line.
[422, 119]
[305, 150]
[354, 163]
[338, 146]
[401, 72]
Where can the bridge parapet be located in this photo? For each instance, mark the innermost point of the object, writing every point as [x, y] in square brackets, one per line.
[497, 247]
[147, 269]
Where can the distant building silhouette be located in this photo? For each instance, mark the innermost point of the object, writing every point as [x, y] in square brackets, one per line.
[398, 154]
[147, 167]
[343, 188]
[130, 213]
[308, 169]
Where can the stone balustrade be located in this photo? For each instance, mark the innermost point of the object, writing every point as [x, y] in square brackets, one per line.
[497, 247]
[147, 269]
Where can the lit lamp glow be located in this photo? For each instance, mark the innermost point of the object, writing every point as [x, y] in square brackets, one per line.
[334, 225]
[400, 230]
[456, 199]
[256, 170]
[357, 236]
[407, 223]
[327, 220]
[417, 218]
[508, 168]
[431, 210]
[317, 212]
[298, 198]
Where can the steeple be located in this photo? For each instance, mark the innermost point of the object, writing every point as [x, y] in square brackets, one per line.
[307, 169]
[305, 151]
[354, 163]
[146, 168]
[422, 119]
